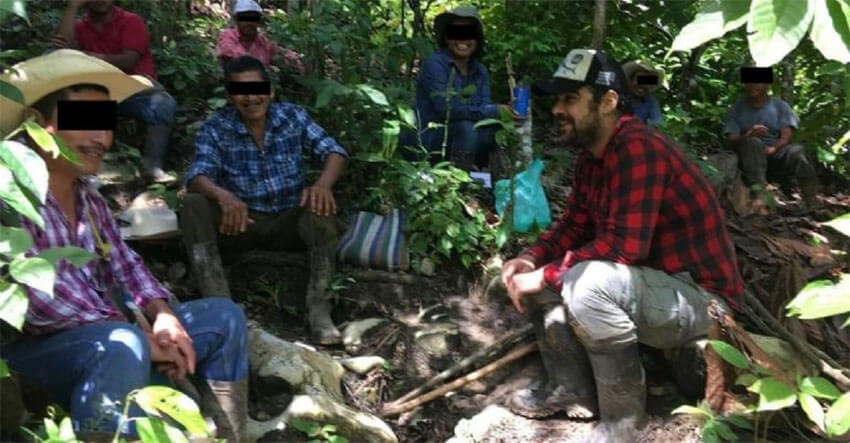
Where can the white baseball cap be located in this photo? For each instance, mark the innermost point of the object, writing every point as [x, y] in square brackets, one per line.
[247, 6]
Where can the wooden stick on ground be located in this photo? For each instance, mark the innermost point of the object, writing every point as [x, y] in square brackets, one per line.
[479, 357]
[824, 362]
[515, 354]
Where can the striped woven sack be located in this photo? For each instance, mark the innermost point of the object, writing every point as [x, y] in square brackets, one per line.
[375, 241]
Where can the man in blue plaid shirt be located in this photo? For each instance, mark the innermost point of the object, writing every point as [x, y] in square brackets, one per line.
[247, 190]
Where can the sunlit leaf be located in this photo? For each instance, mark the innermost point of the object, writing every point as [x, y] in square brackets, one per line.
[773, 394]
[4, 370]
[838, 416]
[17, 7]
[819, 387]
[14, 241]
[175, 404]
[714, 19]
[829, 31]
[813, 409]
[729, 353]
[691, 410]
[42, 138]
[77, 256]
[377, 97]
[66, 430]
[29, 169]
[11, 194]
[154, 430]
[840, 224]
[775, 27]
[821, 298]
[13, 304]
[34, 272]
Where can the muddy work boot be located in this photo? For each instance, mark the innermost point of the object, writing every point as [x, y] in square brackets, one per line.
[227, 402]
[621, 394]
[208, 270]
[322, 329]
[568, 385]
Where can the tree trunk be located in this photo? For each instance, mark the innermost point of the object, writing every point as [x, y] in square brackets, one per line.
[598, 24]
[786, 71]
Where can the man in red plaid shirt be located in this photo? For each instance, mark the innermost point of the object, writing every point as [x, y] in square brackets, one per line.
[637, 256]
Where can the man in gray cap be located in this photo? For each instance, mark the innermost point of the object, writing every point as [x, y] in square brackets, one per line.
[639, 252]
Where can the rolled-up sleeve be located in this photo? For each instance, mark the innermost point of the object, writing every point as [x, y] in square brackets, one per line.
[316, 140]
[207, 160]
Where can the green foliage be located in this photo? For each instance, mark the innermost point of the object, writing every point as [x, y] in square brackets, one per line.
[16, 7]
[317, 432]
[162, 401]
[715, 428]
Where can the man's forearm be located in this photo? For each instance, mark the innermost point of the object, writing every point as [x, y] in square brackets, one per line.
[203, 185]
[334, 164]
[157, 306]
[66, 25]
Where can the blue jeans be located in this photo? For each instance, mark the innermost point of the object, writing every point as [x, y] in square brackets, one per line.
[153, 106]
[90, 369]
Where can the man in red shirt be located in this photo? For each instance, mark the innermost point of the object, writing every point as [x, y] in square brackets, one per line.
[121, 38]
[637, 256]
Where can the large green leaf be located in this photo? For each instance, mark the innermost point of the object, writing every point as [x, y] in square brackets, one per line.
[13, 304]
[11, 194]
[730, 354]
[154, 430]
[773, 394]
[840, 224]
[377, 97]
[77, 256]
[17, 7]
[775, 27]
[715, 18]
[34, 272]
[14, 241]
[42, 138]
[813, 409]
[29, 169]
[178, 406]
[829, 30]
[692, 410]
[4, 369]
[819, 387]
[11, 92]
[821, 298]
[838, 416]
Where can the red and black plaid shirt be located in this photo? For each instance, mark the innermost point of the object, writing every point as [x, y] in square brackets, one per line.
[643, 204]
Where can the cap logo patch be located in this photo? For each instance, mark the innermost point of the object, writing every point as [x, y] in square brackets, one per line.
[574, 66]
[605, 78]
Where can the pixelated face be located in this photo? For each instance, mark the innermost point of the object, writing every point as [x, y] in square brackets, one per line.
[251, 106]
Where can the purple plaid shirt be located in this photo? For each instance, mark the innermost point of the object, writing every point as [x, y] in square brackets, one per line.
[80, 294]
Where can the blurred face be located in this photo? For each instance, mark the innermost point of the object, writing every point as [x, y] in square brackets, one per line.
[248, 24]
[461, 45]
[578, 118]
[99, 6]
[637, 90]
[756, 90]
[251, 107]
[90, 146]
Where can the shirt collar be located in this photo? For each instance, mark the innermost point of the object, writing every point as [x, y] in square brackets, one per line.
[622, 122]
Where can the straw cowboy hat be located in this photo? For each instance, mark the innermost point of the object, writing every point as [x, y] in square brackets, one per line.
[27, 82]
[633, 66]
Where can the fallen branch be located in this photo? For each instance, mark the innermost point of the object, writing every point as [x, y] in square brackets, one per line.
[515, 354]
[826, 364]
[381, 276]
[477, 358]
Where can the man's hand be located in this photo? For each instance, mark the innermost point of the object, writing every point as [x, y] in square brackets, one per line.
[770, 150]
[516, 265]
[171, 337]
[59, 42]
[234, 214]
[757, 131]
[319, 199]
[523, 284]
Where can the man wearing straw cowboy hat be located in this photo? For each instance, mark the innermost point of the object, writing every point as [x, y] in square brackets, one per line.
[77, 344]
[643, 80]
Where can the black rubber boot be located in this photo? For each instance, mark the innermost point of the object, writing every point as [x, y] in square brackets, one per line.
[568, 385]
[621, 394]
[208, 270]
[322, 329]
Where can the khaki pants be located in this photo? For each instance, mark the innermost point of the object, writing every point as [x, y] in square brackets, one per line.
[611, 306]
[294, 229]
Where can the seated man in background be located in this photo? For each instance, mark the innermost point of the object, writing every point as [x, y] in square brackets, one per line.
[246, 39]
[77, 344]
[247, 189]
[643, 80]
[121, 38]
[759, 128]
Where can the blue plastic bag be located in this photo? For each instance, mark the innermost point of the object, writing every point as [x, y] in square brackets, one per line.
[530, 206]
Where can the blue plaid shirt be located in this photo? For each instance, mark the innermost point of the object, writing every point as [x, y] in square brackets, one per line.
[267, 180]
